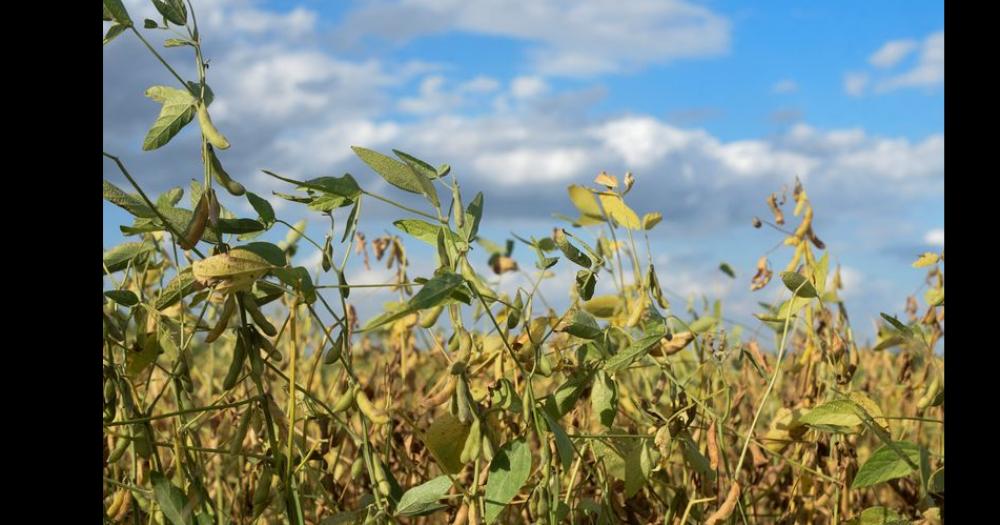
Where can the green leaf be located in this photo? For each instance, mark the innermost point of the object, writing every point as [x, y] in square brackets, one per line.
[878, 516]
[172, 10]
[169, 198]
[635, 350]
[113, 32]
[239, 226]
[445, 439]
[473, 216]
[584, 326]
[177, 42]
[564, 447]
[897, 324]
[182, 284]
[433, 293]
[177, 111]
[424, 497]
[604, 398]
[127, 202]
[603, 306]
[122, 297]
[586, 281]
[885, 464]
[728, 270]
[263, 208]
[423, 231]
[839, 415]
[509, 470]
[693, 457]
[149, 24]
[638, 466]
[118, 12]
[393, 171]
[171, 499]
[117, 258]
[794, 280]
[270, 252]
[571, 252]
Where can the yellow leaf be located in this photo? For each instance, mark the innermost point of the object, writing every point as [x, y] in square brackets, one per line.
[926, 259]
[620, 212]
[873, 410]
[583, 199]
[609, 181]
[651, 219]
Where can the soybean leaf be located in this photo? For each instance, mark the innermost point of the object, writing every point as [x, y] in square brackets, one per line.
[604, 398]
[838, 415]
[794, 280]
[586, 281]
[117, 258]
[616, 208]
[509, 469]
[263, 208]
[702, 324]
[638, 466]
[178, 109]
[352, 220]
[635, 350]
[393, 171]
[239, 226]
[117, 11]
[584, 326]
[728, 270]
[445, 439]
[122, 297]
[433, 293]
[584, 200]
[564, 447]
[878, 516]
[182, 284]
[423, 231]
[473, 216]
[171, 499]
[603, 306]
[571, 252]
[885, 464]
[113, 31]
[172, 10]
[127, 202]
[270, 252]
[424, 497]
[926, 259]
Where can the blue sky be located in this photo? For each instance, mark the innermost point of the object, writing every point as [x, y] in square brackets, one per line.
[712, 105]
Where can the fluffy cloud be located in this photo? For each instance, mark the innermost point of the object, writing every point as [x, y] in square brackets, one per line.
[785, 86]
[855, 83]
[590, 38]
[927, 73]
[935, 237]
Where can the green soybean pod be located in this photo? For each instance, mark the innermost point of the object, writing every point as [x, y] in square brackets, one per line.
[239, 355]
[336, 350]
[250, 305]
[121, 445]
[261, 494]
[220, 174]
[429, 317]
[241, 431]
[212, 134]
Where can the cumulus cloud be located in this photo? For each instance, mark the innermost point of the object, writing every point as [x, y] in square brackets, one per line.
[590, 38]
[927, 73]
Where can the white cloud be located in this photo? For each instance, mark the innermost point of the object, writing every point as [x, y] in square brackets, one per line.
[934, 237]
[785, 86]
[523, 165]
[927, 73]
[855, 83]
[892, 53]
[528, 87]
[566, 38]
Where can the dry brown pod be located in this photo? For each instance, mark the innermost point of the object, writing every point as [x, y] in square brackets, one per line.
[727, 507]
